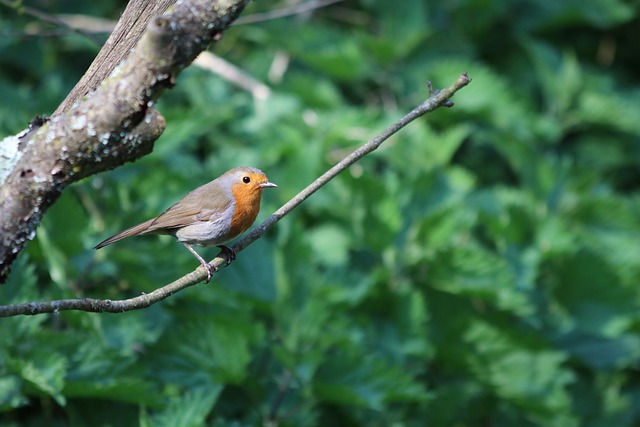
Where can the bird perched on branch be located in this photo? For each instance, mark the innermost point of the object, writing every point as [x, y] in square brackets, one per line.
[209, 215]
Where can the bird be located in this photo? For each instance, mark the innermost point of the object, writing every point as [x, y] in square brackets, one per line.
[210, 215]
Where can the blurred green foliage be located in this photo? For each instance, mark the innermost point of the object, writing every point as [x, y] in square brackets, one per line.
[479, 269]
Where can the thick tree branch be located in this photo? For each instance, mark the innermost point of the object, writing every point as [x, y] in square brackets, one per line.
[105, 128]
[436, 99]
[123, 38]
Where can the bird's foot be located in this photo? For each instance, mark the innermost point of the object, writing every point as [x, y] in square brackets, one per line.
[229, 253]
[210, 270]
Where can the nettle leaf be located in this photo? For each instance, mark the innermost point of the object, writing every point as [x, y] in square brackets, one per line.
[555, 239]
[28, 364]
[45, 371]
[11, 392]
[561, 78]
[435, 218]
[330, 244]
[188, 410]
[253, 274]
[519, 370]
[325, 95]
[20, 287]
[205, 348]
[351, 378]
[307, 324]
[330, 50]
[610, 108]
[399, 327]
[470, 270]
[421, 149]
[600, 13]
[406, 24]
[120, 388]
[62, 252]
[282, 107]
[591, 291]
[100, 369]
[601, 352]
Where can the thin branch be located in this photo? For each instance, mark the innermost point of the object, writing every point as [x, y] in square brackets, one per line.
[294, 9]
[233, 74]
[436, 99]
[91, 27]
[52, 19]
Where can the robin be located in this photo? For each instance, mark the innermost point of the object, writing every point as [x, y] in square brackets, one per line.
[209, 215]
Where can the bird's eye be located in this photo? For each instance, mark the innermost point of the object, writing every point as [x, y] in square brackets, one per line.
[246, 179]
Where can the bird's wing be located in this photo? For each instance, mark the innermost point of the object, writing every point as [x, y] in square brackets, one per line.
[131, 231]
[199, 205]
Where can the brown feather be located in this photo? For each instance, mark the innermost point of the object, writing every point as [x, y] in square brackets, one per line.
[199, 205]
[132, 231]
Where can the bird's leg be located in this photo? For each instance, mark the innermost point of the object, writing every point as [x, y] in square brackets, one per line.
[210, 268]
[230, 253]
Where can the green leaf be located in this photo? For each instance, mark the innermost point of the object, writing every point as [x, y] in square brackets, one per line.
[593, 295]
[355, 379]
[253, 272]
[599, 352]
[329, 244]
[519, 370]
[45, 371]
[205, 348]
[330, 51]
[189, 410]
[11, 395]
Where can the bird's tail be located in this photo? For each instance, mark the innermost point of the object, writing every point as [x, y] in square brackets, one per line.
[135, 230]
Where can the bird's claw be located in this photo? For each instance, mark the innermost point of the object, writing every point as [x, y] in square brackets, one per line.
[210, 270]
[229, 253]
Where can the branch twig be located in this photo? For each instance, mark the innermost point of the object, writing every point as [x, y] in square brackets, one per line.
[436, 99]
[52, 19]
[294, 9]
[92, 27]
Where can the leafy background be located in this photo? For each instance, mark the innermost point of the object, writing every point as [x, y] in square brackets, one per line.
[480, 269]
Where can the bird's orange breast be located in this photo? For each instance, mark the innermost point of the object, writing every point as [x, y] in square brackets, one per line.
[247, 206]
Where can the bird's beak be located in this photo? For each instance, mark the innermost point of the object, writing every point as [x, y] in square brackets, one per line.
[268, 185]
